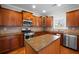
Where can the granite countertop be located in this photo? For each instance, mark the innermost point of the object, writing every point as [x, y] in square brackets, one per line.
[7, 34]
[67, 31]
[72, 32]
[39, 42]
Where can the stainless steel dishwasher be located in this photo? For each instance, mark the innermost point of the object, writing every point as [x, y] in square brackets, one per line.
[70, 41]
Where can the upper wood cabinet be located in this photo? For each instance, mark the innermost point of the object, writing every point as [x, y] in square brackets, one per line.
[39, 21]
[34, 20]
[27, 15]
[16, 17]
[72, 18]
[44, 21]
[1, 17]
[49, 21]
[0, 20]
[10, 17]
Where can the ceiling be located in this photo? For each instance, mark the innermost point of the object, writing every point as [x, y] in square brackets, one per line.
[50, 8]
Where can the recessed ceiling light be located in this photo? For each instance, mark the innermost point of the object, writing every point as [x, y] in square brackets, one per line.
[33, 6]
[44, 11]
[58, 4]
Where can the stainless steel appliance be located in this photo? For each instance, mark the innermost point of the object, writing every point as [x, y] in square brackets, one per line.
[70, 41]
[26, 29]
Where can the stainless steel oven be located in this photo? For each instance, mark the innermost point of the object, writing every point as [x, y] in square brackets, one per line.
[26, 29]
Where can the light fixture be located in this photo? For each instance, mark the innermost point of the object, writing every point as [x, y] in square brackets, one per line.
[33, 6]
[44, 11]
[58, 4]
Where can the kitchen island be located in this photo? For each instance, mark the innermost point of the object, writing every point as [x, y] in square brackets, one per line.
[44, 44]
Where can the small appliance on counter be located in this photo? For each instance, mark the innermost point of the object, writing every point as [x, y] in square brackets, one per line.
[26, 29]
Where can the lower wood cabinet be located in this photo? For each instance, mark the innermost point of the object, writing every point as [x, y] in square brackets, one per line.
[11, 42]
[14, 42]
[4, 44]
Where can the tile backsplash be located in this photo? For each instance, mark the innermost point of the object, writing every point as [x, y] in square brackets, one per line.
[73, 28]
[17, 29]
[10, 29]
[35, 29]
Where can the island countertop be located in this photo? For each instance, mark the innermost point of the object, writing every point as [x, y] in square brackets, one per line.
[39, 42]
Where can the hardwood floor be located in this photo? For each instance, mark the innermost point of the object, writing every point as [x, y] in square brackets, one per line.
[65, 50]
[18, 51]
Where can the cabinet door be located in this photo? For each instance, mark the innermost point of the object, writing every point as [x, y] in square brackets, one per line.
[39, 20]
[70, 19]
[33, 19]
[4, 44]
[19, 19]
[73, 18]
[14, 42]
[4, 16]
[77, 18]
[0, 21]
[15, 18]
[10, 17]
[27, 15]
[0, 18]
[49, 21]
[21, 40]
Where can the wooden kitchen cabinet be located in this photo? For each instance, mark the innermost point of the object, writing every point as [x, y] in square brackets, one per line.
[44, 21]
[39, 21]
[15, 19]
[34, 20]
[14, 42]
[11, 42]
[0, 18]
[17, 41]
[72, 18]
[27, 15]
[4, 44]
[10, 17]
[49, 21]
[21, 39]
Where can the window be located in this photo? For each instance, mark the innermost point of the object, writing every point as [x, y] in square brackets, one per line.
[59, 24]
